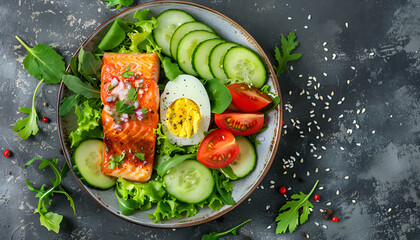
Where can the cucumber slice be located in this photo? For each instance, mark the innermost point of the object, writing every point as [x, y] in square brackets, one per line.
[182, 30]
[245, 162]
[217, 55]
[200, 59]
[187, 46]
[244, 65]
[168, 22]
[189, 181]
[87, 164]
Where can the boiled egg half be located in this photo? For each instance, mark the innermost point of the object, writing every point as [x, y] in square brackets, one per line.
[185, 110]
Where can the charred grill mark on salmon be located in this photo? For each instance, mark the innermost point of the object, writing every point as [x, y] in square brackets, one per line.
[130, 133]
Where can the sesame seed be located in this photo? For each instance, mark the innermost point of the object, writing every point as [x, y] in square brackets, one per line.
[341, 115]
[300, 75]
[358, 111]
[313, 104]
[321, 188]
[347, 25]
[339, 102]
[373, 132]
[307, 235]
[305, 27]
[289, 18]
[334, 56]
[329, 119]
[324, 44]
[316, 170]
[324, 226]
[357, 125]
[272, 186]
[389, 209]
[327, 170]
[310, 209]
[342, 148]
[268, 227]
[272, 182]
[326, 49]
[301, 160]
[325, 74]
[294, 175]
[267, 207]
[262, 187]
[285, 172]
[337, 192]
[371, 54]
[325, 58]
[348, 81]
[346, 177]
[328, 204]
[363, 110]
[307, 173]
[290, 92]
[321, 210]
[316, 223]
[358, 144]
[353, 68]
[353, 201]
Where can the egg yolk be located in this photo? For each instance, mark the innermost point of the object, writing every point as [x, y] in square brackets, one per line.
[183, 118]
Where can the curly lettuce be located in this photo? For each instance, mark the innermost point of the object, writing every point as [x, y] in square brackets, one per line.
[89, 124]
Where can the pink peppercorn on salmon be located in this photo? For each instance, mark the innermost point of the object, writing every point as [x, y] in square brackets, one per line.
[129, 85]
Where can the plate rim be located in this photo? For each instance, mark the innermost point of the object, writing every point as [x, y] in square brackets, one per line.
[274, 142]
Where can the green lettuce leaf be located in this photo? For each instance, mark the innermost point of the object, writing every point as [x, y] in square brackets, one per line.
[88, 124]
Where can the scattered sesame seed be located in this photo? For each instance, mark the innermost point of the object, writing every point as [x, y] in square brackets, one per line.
[309, 17]
[321, 210]
[319, 157]
[363, 110]
[329, 119]
[353, 201]
[321, 188]
[346, 177]
[301, 160]
[290, 92]
[272, 182]
[272, 186]
[321, 134]
[324, 44]
[348, 81]
[337, 192]
[310, 209]
[305, 27]
[342, 148]
[358, 111]
[324, 226]
[326, 49]
[349, 131]
[325, 74]
[289, 18]
[347, 24]
[373, 132]
[300, 75]
[325, 58]
[358, 144]
[357, 125]
[307, 173]
[327, 169]
[267, 207]
[294, 175]
[353, 68]
[328, 204]
[339, 102]
[307, 235]
[173, 229]
[285, 172]
[269, 227]
[389, 209]
[341, 115]
[334, 56]
[371, 54]
[262, 187]
[316, 223]
[313, 104]
[316, 170]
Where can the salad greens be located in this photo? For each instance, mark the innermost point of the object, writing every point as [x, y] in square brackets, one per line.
[289, 216]
[50, 220]
[28, 126]
[219, 95]
[287, 46]
[120, 3]
[78, 86]
[88, 122]
[216, 235]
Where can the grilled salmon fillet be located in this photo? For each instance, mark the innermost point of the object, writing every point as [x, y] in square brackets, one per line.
[130, 134]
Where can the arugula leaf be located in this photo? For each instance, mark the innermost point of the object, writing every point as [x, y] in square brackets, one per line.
[276, 100]
[127, 72]
[215, 235]
[289, 212]
[78, 86]
[123, 108]
[88, 122]
[223, 187]
[73, 67]
[116, 160]
[43, 62]
[89, 64]
[164, 167]
[287, 46]
[127, 206]
[69, 103]
[132, 94]
[50, 220]
[28, 126]
[120, 3]
[140, 156]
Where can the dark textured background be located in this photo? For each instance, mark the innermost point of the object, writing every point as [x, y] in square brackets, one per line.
[378, 52]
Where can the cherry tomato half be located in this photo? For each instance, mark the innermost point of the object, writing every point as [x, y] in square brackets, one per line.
[248, 98]
[218, 149]
[240, 124]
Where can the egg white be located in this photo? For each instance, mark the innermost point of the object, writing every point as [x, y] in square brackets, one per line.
[186, 86]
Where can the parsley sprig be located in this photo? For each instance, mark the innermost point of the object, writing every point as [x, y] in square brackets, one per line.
[127, 72]
[287, 46]
[289, 212]
[140, 156]
[124, 108]
[116, 160]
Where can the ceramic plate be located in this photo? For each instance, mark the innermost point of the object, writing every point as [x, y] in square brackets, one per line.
[228, 30]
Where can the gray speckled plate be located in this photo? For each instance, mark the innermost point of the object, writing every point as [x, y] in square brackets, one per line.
[228, 30]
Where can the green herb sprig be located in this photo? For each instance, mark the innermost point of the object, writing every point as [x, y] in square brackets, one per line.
[50, 220]
[216, 235]
[124, 108]
[127, 72]
[116, 160]
[289, 212]
[120, 3]
[287, 46]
